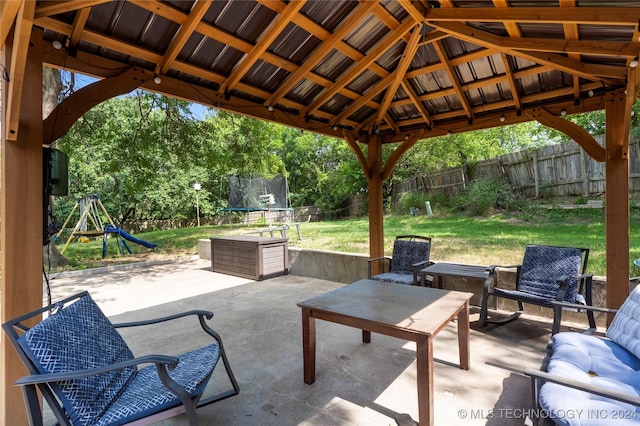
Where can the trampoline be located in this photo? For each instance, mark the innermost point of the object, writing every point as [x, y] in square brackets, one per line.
[258, 199]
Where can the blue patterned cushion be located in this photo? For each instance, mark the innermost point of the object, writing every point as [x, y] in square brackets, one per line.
[543, 265]
[394, 278]
[79, 337]
[147, 395]
[406, 253]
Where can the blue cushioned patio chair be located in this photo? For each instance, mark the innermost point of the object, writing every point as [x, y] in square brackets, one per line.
[547, 274]
[591, 379]
[410, 255]
[88, 375]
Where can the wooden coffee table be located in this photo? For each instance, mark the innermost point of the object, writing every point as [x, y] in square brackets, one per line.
[407, 312]
[441, 269]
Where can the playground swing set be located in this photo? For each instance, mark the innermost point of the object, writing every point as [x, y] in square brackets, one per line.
[90, 208]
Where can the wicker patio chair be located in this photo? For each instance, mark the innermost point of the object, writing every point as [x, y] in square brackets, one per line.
[410, 255]
[547, 274]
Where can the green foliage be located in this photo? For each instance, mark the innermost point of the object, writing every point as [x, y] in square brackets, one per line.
[411, 199]
[580, 200]
[322, 171]
[464, 149]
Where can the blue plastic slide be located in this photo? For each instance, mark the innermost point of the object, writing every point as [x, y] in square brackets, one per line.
[115, 230]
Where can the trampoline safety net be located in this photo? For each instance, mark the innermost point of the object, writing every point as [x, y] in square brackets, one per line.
[254, 193]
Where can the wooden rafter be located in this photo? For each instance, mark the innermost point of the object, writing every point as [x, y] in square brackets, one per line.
[99, 39]
[572, 46]
[618, 16]
[513, 45]
[321, 33]
[462, 97]
[327, 45]
[366, 97]
[8, 12]
[408, 55]
[571, 33]
[237, 43]
[22, 35]
[412, 10]
[50, 8]
[78, 26]
[514, 32]
[358, 68]
[515, 95]
[512, 27]
[198, 10]
[594, 72]
[263, 44]
[415, 100]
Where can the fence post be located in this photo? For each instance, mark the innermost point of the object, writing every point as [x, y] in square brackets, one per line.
[585, 174]
[536, 177]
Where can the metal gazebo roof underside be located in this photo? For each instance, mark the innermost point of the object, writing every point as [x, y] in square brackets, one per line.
[389, 68]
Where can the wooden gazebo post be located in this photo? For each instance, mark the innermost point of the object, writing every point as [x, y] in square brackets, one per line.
[376, 174]
[376, 204]
[21, 226]
[618, 117]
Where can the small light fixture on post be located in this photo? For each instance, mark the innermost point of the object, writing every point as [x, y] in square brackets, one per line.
[197, 188]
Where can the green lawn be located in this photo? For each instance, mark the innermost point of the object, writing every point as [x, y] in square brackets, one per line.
[498, 240]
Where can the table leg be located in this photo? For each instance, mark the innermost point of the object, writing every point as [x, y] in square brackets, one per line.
[366, 336]
[308, 346]
[463, 336]
[424, 375]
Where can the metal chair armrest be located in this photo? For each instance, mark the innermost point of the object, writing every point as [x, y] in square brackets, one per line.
[538, 375]
[199, 313]
[506, 266]
[580, 306]
[159, 360]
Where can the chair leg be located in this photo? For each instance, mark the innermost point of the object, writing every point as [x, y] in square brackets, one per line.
[483, 313]
[232, 379]
[505, 320]
[180, 392]
[33, 406]
[483, 309]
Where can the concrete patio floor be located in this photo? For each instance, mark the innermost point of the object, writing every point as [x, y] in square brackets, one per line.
[356, 383]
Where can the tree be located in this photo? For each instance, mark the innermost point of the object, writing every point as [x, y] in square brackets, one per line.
[51, 89]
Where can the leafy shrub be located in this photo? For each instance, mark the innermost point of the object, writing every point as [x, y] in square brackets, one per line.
[580, 200]
[487, 195]
[411, 199]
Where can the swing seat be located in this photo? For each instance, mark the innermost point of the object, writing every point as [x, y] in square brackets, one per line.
[96, 233]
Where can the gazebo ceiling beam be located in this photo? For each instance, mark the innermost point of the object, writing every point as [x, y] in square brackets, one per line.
[616, 16]
[23, 26]
[408, 54]
[262, 45]
[607, 74]
[198, 11]
[8, 12]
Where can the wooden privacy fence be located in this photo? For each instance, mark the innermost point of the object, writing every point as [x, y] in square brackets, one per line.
[556, 170]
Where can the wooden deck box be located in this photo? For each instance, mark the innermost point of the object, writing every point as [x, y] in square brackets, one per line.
[250, 256]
